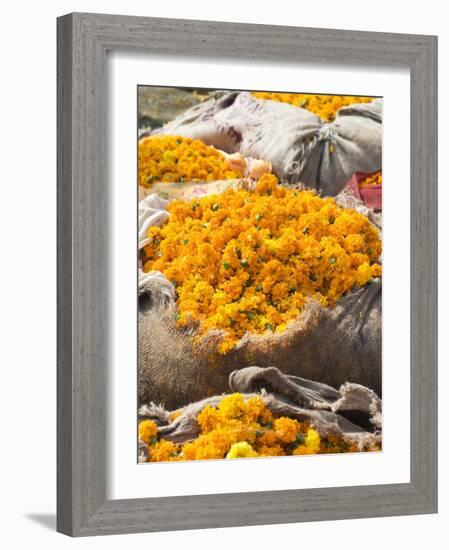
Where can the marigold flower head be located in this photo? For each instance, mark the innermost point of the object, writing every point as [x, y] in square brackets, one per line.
[257, 411]
[209, 418]
[312, 441]
[267, 438]
[272, 450]
[232, 406]
[147, 431]
[242, 449]
[163, 451]
[286, 429]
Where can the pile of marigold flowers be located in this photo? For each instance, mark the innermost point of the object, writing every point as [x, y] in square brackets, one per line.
[240, 428]
[248, 261]
[373, 179]
[178, 159]
[325, 106]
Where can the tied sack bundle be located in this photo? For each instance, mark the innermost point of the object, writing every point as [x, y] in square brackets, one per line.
[299, 144]
[312, 328]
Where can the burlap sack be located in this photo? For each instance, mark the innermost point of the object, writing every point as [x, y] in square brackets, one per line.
[330, 345]
[353, 411]
[300, 146]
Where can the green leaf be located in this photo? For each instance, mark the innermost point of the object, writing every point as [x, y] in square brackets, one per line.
[151, 178]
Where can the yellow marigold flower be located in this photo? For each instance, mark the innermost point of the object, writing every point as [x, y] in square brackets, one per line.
[209, 418]
[256, 410]
[286, 429]
[212, 445]
[312, 441]
[364, 274]
[242, 449]
[246, 262]
[147, 431]
[232, 406]
[163, 451]
[177, 159]
[325, 106]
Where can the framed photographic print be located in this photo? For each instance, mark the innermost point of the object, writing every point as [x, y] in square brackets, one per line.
[247, 288]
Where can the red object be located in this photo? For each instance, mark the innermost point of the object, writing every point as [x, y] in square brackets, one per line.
[371, 196]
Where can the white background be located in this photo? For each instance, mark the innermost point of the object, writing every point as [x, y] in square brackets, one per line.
[131, 480]
[28, 272]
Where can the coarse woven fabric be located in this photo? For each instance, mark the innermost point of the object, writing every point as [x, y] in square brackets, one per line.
[351, 411]
[299, 145]
[331, 345]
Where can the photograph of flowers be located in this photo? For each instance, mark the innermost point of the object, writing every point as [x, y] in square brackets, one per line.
[259, 276]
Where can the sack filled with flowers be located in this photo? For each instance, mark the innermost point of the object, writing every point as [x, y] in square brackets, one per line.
[321, 150]
[267, 414]
[265, 275]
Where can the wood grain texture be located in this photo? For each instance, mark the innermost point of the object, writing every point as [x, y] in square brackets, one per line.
[83, 40]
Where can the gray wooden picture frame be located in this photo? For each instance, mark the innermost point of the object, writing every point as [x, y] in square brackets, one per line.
[83, 41]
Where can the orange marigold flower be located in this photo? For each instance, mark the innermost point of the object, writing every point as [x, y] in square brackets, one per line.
[286, 429]
[209, 418]
[256, 410]
[147, 431]
[272, 450]
[163, 451]
[232, 406]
